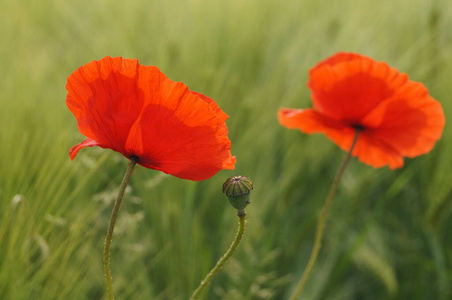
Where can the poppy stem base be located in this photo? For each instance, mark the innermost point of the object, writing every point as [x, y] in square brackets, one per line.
[241, 214]
[322, 220]
[111, 226]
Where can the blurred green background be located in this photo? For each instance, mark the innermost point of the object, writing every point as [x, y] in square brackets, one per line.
[389, 232]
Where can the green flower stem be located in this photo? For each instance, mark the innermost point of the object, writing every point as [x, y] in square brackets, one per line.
[321, 222]
[241, 214]
[111, 226]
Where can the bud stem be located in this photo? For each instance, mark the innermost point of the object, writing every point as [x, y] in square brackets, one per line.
[111, 226]
[321, 222]
[241, 230]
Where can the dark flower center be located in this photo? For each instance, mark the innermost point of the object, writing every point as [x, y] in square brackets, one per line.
[357, 126]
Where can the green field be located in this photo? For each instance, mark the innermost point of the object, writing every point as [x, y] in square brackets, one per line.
[388, 235]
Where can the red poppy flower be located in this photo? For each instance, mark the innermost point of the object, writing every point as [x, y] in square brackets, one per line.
[397, 117]
[137, 111]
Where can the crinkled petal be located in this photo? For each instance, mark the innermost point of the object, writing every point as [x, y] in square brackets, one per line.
[221, 115]
[104, 98]
[348, 86]
[180, 133]
[411, 121]
[397, 117]
[137, 111]
[374, 152]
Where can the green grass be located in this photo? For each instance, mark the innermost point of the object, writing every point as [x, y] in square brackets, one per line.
[388, 234]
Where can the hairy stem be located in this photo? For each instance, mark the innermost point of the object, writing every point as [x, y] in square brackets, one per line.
[111, 226]
[241, 230]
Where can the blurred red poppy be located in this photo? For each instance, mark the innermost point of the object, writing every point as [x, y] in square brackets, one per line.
[397, 117]
[137, 111]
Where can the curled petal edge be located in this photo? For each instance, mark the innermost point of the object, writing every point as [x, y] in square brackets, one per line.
[86, 143]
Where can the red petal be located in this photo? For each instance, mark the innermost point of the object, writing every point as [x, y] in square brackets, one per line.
[411, 121]
[104, 98]
[309, 121]
[375, 152]
[221, 115]
[397, 116]
[86, 143]
[368, 149]
[185, 135]
[348, 86]
[136, 110]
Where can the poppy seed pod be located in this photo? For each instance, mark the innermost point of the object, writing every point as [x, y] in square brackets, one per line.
[238, 189]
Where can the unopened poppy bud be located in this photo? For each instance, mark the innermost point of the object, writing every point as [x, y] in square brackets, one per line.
[238, 189]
